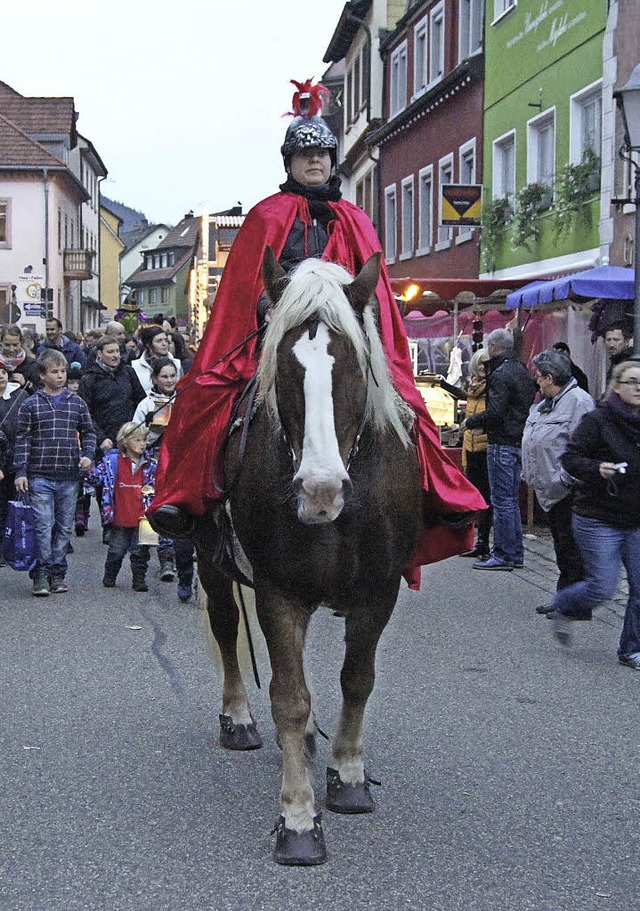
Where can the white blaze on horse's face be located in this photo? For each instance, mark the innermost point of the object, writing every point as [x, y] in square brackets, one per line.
[322, 473]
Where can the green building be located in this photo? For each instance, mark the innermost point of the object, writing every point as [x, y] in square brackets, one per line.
[542, 136]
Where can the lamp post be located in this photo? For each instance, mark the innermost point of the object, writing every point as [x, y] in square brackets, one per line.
[628, 101]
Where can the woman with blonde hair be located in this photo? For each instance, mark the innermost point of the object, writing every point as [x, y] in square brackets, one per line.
[474, 452]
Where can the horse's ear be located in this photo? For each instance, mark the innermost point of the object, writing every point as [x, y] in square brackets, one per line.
[365, 283]
[274, 276]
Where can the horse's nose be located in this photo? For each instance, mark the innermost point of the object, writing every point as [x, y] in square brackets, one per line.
[320, 501]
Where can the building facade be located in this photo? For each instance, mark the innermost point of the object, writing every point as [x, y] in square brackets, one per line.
[543, 146]
[111, 247]
[431, 135]
[49, 213]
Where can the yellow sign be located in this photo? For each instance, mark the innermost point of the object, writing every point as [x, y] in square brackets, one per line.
[461, 205]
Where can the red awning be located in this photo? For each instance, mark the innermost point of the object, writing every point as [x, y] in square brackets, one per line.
[443, 292]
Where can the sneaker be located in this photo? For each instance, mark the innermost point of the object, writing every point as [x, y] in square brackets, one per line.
[58, 586]
[545, 609]
[493, 563]
[139, 585]
[562, 628]
[478, 553]
[185, 592]
[517, 565]
[632, 661]
[40, 585]
[586, 614]
[109, 581]
[80, 529]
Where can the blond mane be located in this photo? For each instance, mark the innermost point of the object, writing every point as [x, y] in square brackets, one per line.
[316, 289]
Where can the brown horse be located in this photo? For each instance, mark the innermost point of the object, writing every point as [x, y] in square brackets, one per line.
[325, 501]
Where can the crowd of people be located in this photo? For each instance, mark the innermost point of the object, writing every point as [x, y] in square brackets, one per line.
[102, 413]
[86, 414]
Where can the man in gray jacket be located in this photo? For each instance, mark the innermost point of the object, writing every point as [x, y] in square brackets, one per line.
[546, 434]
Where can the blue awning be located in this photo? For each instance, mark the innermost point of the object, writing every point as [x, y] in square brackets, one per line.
[614, 282]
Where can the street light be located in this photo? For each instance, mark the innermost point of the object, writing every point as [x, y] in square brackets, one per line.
[628, 102]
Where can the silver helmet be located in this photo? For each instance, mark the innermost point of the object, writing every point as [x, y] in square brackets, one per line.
[308, 130]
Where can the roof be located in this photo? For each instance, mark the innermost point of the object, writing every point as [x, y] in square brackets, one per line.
[17, 150]
[134, 237]
[185, 234]
[39, 116]
[443, 293]
[350, 21]
[143, 277]
[227, 221]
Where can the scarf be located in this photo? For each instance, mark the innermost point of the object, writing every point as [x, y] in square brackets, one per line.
[108, 370]
[626, 416]
[12, 363]
[329, 191]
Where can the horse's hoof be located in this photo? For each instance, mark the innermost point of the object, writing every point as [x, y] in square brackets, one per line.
[238, 736]
[300, 849]
[348, 798]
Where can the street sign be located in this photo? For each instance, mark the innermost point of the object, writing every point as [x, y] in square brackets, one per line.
[461, 205]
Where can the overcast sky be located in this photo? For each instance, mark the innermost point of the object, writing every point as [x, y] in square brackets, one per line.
[182, 101]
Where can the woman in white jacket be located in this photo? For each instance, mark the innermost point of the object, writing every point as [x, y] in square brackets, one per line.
[155, 343]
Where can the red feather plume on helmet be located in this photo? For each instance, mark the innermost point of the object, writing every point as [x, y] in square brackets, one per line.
[309, 99]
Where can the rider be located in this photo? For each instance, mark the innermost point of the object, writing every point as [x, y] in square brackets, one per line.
[307, 218]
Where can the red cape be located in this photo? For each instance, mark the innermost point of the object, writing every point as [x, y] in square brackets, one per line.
[190, 469]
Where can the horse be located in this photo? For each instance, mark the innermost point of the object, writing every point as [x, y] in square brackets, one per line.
[324, 497]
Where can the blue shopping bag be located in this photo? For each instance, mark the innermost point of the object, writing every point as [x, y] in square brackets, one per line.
[19, 546]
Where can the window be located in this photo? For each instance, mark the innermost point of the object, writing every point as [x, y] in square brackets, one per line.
[365, 195]
[140, 296]
[60, 247]
[425, 210]
[390, 222]
[471, 17]
[399, 79]
[436, 49]
[5, 224]
[164, 295]
[586, 122]
[66, 232]
[445, 175]
[406, 250]
[504, 166]
[541, 151]
[357, 85]
[467, 171]
[501, 7]
[421, 60]
[153, 295]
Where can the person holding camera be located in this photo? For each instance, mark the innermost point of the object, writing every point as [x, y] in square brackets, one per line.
[603, 455]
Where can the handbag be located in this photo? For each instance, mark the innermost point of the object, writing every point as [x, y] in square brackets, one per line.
[146, 534]
[19, 545]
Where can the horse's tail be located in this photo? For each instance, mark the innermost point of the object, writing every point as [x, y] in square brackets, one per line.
[253, 656]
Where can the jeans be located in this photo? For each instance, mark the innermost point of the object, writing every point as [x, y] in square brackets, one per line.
[478, 474]
[567, 551]
[505, 468]
[603, 548]
[54, 506]
[123, 541]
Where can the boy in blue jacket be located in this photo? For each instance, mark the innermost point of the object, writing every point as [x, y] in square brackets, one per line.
[55, 443]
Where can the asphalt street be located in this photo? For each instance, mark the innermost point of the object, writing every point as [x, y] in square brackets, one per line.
[509, 767]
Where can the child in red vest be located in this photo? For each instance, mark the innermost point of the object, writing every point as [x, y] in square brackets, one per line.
[127, 478]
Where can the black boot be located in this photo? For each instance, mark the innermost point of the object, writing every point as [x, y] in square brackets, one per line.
[139, 581]
[171, 521]
[111, 570]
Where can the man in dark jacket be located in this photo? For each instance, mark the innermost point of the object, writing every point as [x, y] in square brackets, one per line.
[618, 340]
[112, 391]
[510, 394]
[56, 341]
